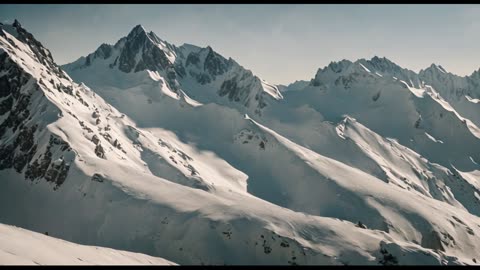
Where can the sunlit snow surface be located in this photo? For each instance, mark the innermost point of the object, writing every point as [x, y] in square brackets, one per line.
[22, 247]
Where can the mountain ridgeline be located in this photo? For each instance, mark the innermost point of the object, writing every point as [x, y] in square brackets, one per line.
[188, 64]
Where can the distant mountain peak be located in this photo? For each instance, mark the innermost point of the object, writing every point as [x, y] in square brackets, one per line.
[475, 73]
[377, 59]
[382, 60]
[337, 66]
[137, 30]
[16, 23]
[382, 65]
[438, 67]
[140, 33]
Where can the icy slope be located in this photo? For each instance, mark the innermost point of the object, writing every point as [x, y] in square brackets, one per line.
[23, 247]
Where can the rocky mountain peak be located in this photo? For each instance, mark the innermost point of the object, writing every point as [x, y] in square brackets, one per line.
[434, 68]
[383, 65]
[136, 31]
[340, 66]
[16, 24]
[437, 70]
[142, 50]
[40, 53]
[436, 73]
[475, 74]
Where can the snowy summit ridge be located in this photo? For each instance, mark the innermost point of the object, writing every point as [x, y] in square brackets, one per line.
[224, 80]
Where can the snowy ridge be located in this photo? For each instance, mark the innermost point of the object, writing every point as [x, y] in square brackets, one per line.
[330, 168]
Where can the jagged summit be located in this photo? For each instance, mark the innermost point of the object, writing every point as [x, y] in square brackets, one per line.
[139, 50]
[382, 64]
[435, 68]
[346, 72]
[41, 53]
[338, 66]
[137, 30]
[441, 68]
[475, 74]
[383, 67]
[434, 73]
[379, 59]
[375, 64]
[142, 52]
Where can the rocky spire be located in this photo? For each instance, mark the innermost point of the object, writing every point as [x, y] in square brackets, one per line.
[136, 31]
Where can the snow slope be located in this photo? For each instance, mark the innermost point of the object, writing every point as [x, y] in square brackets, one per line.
[22, 247]
[393, 108]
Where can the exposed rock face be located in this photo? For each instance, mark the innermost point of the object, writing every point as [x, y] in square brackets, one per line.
[95, 139]
[41, 53]
[20, 132]
[247, 136]
[230, 89]
[99, 151]
[139, 42]
[214, 63]
[205, 65]
[98, 177]
[53, 171]
[19, 149]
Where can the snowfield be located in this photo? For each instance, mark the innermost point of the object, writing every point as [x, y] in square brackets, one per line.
[179, 153]
[20, 246]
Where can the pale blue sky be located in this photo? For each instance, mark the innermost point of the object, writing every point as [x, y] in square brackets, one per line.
[280, 43]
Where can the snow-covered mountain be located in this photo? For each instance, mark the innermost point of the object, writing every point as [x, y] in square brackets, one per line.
[143, 61]
[180, 153]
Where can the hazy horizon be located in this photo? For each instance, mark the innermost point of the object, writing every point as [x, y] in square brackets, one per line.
[279, 43]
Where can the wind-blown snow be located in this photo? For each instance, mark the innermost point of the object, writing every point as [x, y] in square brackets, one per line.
[473, 100]
[432, 138]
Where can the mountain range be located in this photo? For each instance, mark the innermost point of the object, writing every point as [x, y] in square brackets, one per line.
[180, 153]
